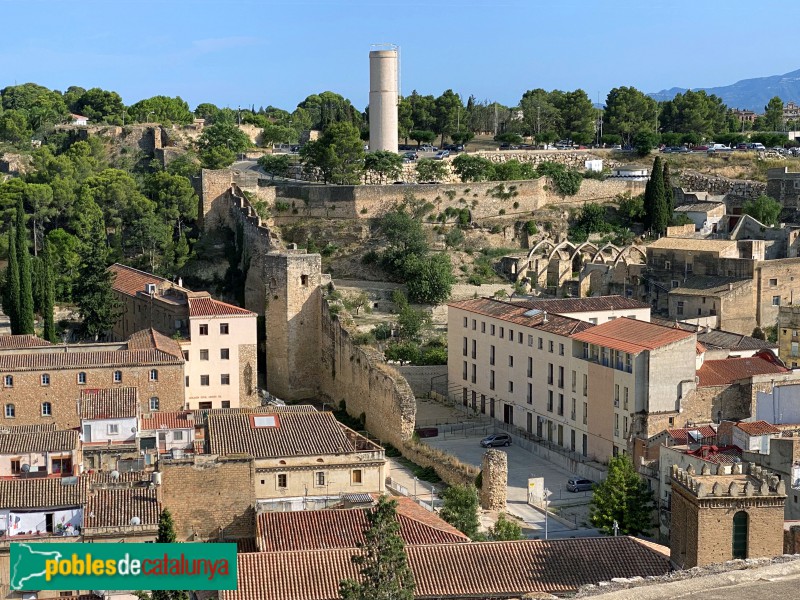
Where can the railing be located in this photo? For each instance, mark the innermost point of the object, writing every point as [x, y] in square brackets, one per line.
[421, 490]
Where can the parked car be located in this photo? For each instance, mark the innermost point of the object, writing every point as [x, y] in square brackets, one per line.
[755, 146]
[579, 485]
[454, 147]
[427, 148]
[441, 155]
[507, 146]
[496, 439]
[410, 156]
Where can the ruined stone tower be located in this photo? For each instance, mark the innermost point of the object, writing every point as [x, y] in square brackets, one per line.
[293, 322]
[719, 517]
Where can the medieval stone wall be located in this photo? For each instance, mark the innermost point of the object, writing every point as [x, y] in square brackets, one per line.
[713, 184]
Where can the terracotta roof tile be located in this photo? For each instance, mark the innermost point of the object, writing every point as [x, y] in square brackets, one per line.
[718, 455]
[575, 305]
[116, 506]
[208, 307]
[148, 339]
[167, 420]
[110, 403]
[132, 281]
[474, 570]
[76, 359]
[758, 428]
[631, 335]
[52, 492]
[514, 313]
[27, 428]
[729, 370]
[11, 342]
[696, 244]
[43, 441]
[296, 434]
[680, 437]
[325, 529]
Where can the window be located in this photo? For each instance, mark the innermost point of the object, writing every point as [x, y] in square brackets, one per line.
[574, 381]
[511, 335]
[117, 376]
[680, 308]
[465, 321]
[204, 329]
[225, 379]
[464, 371]
[530, 394]
[203, 354]
[153, 374]
[187, 381]
[113, 429]
[795, 349]
[561, 349]
[491, 380]
[561, 404]
[616, 394]
[491, 355]
[483, 326]
[45, 379]
[62, 464]
[561, 377]
[739, 544]
[474, 350]
[224, 329]
[511, 387]
[319, 478]
[224, 354]
[572, 412]
[624, 426]
[675, 283]
[8, 381]
[204, 380]
[474, 373]
[154, 403]
[355, 477]
[474, 325]
[47, 409]
[282, 481]
[226, 404]
[550, 346]
[530, 341]
[773, 283]
[549, 400]
[540, 343]
[776, 301]
[550, 373]
[10, 411]
[530, 366]
[502, 332]
[510, 360]
[625, 403]
[16, 467]
[186, 355]
[585, 384]
[593, 320]
[205, 405]
[491, 329]
[519, 337]
[585, 412]
[667, 265]
[177, 436]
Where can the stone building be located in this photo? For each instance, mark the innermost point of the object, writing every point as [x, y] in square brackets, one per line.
[784, 186]
[42, 384]
[217, 340]
[789, 334]
[719, 517]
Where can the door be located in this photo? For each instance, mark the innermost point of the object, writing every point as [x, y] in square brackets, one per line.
[483, 404]
[740, 535]
[491, 408]
[508, 414]
[162, 441]
[530, 422]
[87, 434]
[560, 435]
[572, 440]
[48, 522]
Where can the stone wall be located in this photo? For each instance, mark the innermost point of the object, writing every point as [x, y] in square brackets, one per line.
[494, 478]
[450, 469]
[210, 497]
[423, 379]
[741, 188]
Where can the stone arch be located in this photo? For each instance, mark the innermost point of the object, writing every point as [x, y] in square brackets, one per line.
[538, 245]
[560, 246]
[601, 254]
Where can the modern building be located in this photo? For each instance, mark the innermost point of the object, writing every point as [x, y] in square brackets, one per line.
[40, 454]
[594, 310]
[217, 340]
[109, 424]
[704, 215]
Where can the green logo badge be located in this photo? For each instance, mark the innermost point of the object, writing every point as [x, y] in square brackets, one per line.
[76, 566]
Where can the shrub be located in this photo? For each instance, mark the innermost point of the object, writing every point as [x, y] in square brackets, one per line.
[530, 228]
[282, 206]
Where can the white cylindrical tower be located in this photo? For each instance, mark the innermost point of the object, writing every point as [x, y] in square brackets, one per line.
[383, 98]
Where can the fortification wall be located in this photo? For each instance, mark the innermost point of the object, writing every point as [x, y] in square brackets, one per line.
[357, 375]
[741, 188]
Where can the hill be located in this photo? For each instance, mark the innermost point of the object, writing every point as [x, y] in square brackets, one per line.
[752, 94]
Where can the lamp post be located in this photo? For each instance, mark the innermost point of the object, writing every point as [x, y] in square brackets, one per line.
[546, 505]
[415, 489]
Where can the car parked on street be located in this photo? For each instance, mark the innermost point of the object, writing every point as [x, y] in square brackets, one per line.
[410, 156]
[496, 440]
[441, 155]
[579, 485]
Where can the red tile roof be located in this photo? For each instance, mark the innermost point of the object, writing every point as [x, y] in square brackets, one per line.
[325, 529]
[522, 315]
[474, 570]
[131, 281]
[680, 437]
[575, 305]
[51, 492]
[758, 428]
[110, 403]
[208, 307]
[167, 420]
[728, 370]
[75, 358]
[11, 342]
[42, 441]
[147, 339]
[631, 335]
[116, 506]
[720, 455]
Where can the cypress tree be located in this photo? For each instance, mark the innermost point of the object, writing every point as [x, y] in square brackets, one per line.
[11, 296]
[48, 294]
[166, 535]
[657, 213]
[668, 190]
[25, 317]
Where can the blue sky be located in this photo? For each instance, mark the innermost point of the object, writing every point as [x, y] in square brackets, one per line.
[261, 52]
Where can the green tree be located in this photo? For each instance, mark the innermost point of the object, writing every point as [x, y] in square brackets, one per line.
[657, 213]
[25, 316]
[622, 497]
[629, 111]
[576, 115]
[470, 167]
[94, 296]
[631, 208]
[430, 170]
[11, 292]
[384, 164]
[447, 111]
[423, 116]
[429, 279]
[221, 142]
[773, 114]
[166, 535]
[328, 108]
[48, 295]
[460, 508]
[541, 117]
[422, 136]
[405, 121]
[668, 190]
[764, 209]
[644, 141]
[385, 574]
[694, 112]
[100, 106]
[411, 322]
[66, 259]
[176, 202]
[405, 237]
[276, 165]
[161, 109]
[14, 127]
[338, 154]
[39, 198]
[505, 530]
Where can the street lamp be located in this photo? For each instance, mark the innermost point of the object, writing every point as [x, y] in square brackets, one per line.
[546, 505]
[415, 489]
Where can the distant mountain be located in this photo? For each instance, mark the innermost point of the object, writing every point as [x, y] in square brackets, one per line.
[752, 94]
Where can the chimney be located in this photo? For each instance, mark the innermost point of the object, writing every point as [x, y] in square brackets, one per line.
[544, 320]
[180, 281]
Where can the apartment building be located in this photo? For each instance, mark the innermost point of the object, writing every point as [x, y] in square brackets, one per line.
[565, 380]
[594, 310]
[218, 340]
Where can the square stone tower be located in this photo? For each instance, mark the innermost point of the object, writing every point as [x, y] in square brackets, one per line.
[719, 517]
[293, 322]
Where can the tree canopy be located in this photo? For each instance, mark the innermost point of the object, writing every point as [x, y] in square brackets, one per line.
[622, 497]
[764, 209]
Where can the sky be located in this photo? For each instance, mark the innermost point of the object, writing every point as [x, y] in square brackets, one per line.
[277, 52]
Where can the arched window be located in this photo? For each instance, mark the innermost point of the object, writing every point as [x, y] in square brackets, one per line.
[740, 520]
[47, 409]
[10, 411]
[153, 374]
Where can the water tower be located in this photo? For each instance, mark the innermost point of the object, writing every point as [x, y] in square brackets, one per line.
[384, 94]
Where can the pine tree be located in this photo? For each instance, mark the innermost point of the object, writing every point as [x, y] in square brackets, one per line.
[622, 497]
[48, 294]
[11, 295]
[166, 535]
[94, 296]
[655, 200]
[385, 574]
[25, 317]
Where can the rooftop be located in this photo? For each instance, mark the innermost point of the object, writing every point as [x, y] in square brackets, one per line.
[631, 335]
[730, 370]
[56, 492]
[577, 305]
[282, 434]
[36, 442]
[473, 570]
[720, 455]
[682, 436]
[718, 338]
[521, 315]
[167, 420]
[132, 281]
[326, 529]
[11, 342]
[110, 403]
[208, 307]
[758, 428]
[148, 339]
[704, 285]
[699, 207]
[695, 244]
[117, 506]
